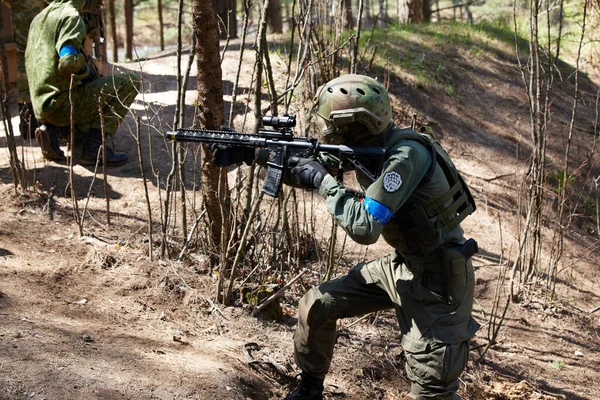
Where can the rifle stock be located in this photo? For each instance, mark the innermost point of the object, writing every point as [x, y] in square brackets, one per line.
[282, 145]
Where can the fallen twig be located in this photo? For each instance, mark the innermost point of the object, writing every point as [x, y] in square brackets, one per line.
[279, 292]
[262, 365]
[494, 178]
[358, 320]
[189, 237]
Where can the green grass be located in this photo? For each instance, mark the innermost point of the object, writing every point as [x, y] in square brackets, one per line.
[426, 53]
[431, 55]
[419, 51]
[501, 12]
[451, 91]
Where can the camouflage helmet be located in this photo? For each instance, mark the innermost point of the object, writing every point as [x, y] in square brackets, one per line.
[352, 108]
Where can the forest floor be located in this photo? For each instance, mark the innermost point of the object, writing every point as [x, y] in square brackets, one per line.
[92, 317]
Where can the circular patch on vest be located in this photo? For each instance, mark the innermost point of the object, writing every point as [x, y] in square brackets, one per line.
[392, 181]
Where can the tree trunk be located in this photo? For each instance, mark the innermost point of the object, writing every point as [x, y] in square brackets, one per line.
[383, 15]
[161, 25]
[348, 23]
[16, 166]
[102, 48]
[402, 9]
[113, 31]
[274, 16]
[128, 11]
[418, 11]
[226, 10]
[210, 105]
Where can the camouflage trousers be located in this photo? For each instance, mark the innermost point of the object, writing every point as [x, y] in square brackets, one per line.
[435, 335]
[114, 93]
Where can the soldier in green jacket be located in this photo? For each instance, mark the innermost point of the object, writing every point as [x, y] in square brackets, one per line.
[55, 63]
[22, 14]
[416, 204]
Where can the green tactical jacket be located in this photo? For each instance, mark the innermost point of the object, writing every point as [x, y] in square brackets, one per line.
[406, 163]
[49, 75]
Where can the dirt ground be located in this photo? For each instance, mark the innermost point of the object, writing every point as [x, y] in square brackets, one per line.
[93, 318]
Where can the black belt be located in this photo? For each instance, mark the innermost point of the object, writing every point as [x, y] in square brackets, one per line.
[432, 264]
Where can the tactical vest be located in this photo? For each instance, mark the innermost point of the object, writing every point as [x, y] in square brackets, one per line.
[425, 223]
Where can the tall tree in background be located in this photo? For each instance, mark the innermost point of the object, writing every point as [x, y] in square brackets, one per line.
[113, 31]
[382, 18]
[210, 106]
[366, 9]
[161, 24]
[418, 11]
[128, 11]
[226, 10]
[347, 21]
[275, 17]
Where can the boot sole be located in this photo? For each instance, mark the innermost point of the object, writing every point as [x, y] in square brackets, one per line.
[53, 156]
[92, 163]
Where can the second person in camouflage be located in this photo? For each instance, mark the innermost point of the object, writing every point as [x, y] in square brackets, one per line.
[56, 62]
[22, 14]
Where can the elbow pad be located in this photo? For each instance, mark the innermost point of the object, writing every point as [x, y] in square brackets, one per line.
[378, 210]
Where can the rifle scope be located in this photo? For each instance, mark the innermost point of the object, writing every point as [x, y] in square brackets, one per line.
[285, 121]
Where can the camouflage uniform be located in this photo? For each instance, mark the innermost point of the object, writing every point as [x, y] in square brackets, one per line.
[417, 204]
[58, 27]
[23, 13]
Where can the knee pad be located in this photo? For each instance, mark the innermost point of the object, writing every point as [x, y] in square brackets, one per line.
[315, 309]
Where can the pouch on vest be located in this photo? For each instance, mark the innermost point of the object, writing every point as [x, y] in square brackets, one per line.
[454, 265]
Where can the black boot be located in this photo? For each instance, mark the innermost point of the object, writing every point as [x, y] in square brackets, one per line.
[309, 388]
[90, 151]
[27, 121]
[48, 137]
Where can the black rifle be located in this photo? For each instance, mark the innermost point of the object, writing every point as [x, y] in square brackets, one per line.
[94, 28]
[282, 146]
[95, 23]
